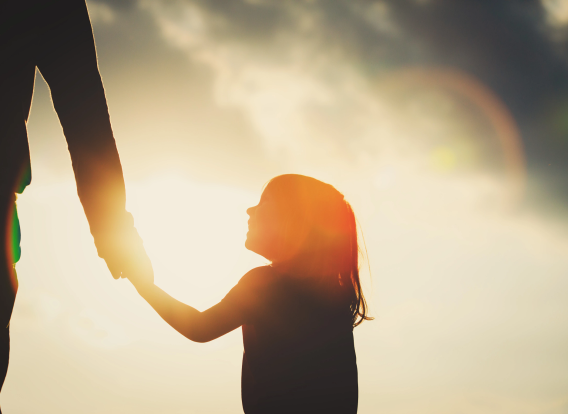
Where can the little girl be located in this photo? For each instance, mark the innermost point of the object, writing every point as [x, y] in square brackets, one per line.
[297, 313]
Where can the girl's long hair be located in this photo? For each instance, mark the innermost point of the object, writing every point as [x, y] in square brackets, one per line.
[320, 237]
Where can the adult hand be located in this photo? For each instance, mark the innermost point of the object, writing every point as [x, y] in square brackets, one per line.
[129, 260]
[122, 249]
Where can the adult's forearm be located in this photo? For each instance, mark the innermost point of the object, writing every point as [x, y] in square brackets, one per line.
[98, 172]
[82, 109]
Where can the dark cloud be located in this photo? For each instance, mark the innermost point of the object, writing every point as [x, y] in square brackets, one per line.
[247, 21]
[507, 45]
[503, 44]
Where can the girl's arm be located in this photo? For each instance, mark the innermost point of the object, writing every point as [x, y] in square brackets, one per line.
[194, 325]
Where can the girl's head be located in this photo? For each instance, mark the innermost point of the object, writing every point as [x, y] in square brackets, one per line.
[307, 227]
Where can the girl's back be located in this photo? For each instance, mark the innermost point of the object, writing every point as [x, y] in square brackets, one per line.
[298, 341]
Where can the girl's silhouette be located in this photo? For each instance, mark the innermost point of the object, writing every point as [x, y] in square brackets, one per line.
[297, 313]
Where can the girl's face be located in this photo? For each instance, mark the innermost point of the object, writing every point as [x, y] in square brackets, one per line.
[266, 226]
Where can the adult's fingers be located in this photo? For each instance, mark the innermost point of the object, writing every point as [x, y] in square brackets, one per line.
[114, 268]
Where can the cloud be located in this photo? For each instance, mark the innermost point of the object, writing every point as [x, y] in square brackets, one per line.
[557, 12]
[101, 13]
[303, 71]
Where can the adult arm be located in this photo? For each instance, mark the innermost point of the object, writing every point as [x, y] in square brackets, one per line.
[68, 62]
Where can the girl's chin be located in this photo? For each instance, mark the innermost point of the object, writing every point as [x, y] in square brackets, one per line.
[257, 248]
[251, 245]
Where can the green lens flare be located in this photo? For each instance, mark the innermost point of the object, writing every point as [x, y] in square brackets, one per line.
[14, 236]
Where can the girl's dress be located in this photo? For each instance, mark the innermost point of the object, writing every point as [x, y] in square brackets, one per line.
[299, 355]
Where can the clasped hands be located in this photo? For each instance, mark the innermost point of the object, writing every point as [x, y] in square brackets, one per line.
[125, 256]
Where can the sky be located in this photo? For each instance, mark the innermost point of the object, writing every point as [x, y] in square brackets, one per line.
[443, 122]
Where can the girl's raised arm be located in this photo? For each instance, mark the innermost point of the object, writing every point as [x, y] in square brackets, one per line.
[194, 325]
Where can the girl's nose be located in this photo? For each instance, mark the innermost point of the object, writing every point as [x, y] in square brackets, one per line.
[250, 211]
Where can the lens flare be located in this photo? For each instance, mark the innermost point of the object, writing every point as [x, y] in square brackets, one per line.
[482, 97]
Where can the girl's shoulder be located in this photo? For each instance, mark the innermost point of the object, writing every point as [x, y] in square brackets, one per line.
[252, 288]
[259, 276]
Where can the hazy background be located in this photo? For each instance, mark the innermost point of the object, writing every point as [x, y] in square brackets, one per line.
[445, 123]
